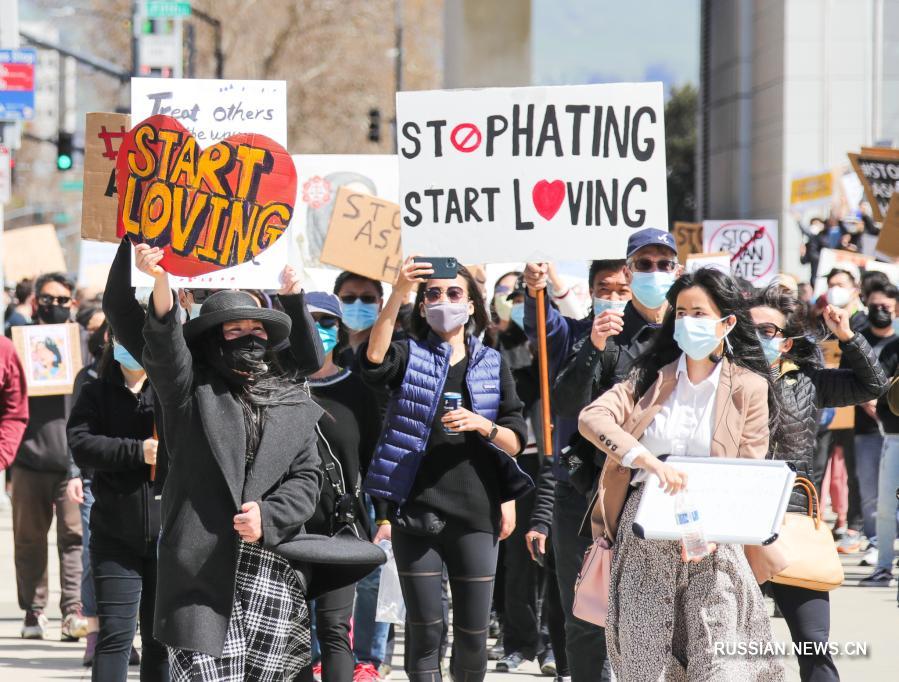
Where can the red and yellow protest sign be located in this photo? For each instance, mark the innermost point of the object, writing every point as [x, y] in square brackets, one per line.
[208, 209]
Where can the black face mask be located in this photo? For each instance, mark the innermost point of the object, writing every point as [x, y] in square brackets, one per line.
[245, 353]
[878, 317]
[53, 314]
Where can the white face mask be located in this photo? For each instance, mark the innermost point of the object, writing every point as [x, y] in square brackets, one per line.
[839, 296]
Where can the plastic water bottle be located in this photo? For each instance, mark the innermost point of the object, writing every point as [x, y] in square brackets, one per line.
[690, 525]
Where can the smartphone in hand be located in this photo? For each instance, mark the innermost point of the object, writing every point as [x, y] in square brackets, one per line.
[444, 267]
[539, 557]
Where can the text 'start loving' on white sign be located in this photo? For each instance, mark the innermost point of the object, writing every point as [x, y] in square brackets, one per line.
[505, 174]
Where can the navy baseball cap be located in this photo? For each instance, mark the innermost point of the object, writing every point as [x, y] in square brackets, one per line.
[650, 237]
[323, 302]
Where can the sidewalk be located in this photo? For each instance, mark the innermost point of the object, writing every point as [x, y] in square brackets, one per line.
[858, 614]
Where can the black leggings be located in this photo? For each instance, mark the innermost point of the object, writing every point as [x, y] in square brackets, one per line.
[125, 582]
[470, 558]
[332, 629]
[807, 613]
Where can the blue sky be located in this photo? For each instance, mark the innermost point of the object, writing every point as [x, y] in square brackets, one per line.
[597, 41]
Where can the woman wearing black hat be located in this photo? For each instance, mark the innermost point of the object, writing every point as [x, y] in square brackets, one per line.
[243, 479]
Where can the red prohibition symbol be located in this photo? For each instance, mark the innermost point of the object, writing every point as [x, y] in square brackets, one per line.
[466, 137]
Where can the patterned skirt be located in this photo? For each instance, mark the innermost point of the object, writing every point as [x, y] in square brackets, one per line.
[669, 620]
[268, 636]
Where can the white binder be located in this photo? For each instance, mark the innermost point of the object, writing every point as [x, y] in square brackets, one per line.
[740, 501]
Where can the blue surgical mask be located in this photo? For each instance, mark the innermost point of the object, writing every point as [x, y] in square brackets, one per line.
[360, 316]
[650, 288]
[195, 311]
[697, 336]
[771, 348]
[896, 325]
[517, 314]
[601, 305]
[124, 358]
[328, 335]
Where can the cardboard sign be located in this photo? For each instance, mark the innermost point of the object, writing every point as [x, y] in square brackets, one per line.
[688, 237]
[213, 110]
[718, 261]
[752, 245]
[364, 236]
[208, 209]
[103, 135]
[50, 356]
[888, 242]
[811, 189]
[319, 177]
[844, 417]
[31, 251]
[878, 170]
[540, 173]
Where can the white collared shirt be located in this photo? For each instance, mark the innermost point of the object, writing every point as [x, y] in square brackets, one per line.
[683, 426]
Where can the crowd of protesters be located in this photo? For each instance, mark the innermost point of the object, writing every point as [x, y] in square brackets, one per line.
[229, 464]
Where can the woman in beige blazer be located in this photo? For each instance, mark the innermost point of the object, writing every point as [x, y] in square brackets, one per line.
[702, 388]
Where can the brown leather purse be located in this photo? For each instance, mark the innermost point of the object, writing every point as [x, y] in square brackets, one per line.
[809, 549]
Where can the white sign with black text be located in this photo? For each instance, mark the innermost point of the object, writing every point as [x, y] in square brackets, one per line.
[536, 173]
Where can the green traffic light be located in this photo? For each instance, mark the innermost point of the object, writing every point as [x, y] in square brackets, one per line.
[63, 162]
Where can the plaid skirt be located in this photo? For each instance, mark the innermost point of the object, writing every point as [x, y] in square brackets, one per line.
[268, 636]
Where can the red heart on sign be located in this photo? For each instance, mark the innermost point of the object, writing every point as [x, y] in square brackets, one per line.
[548, 197]
[208, 209]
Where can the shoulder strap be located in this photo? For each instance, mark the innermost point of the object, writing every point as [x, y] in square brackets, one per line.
[332, 465]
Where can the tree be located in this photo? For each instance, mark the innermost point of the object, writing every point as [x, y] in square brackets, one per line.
[680, 149]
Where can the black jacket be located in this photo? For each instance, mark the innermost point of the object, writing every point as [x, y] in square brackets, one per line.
[804, 390]
[126, 319]
[106, 431]
[208, 482]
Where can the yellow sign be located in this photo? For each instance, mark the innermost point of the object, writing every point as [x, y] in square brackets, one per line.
[811, 188]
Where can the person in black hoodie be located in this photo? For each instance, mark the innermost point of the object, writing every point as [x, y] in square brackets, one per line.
[804, 388]
[348, 432]
[110, 432]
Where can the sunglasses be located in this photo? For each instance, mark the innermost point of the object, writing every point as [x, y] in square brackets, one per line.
[327, 321]
[47, 299]
[769, 330]
[453, 294]
[350, 299]
[650, 265]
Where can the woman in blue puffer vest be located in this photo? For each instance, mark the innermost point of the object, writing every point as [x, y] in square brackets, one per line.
[445, 471]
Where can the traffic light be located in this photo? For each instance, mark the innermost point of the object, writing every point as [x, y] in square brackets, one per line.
[64, 151]
[374, 125]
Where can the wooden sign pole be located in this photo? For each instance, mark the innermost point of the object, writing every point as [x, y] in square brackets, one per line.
[543, 363]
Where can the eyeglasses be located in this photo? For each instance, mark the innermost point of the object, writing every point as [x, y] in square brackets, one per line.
[327, 321]
[47, 299]
[350, 299]
[650, 265]
[768, 330]
[453, 294]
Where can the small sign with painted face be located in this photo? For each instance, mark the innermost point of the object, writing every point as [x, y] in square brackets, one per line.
[537, 173]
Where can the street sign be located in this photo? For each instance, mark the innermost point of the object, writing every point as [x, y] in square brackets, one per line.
[167, 9]
[5, 175]
[17, 84]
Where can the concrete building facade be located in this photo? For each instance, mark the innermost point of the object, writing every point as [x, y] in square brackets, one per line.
[788, 87]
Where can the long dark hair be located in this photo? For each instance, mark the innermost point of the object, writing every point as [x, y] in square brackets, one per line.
[476, 324]
[742, 346]
[268, 385]
[804, 332]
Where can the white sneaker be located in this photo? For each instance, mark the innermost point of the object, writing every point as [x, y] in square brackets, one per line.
[34, 626]
[870, 557]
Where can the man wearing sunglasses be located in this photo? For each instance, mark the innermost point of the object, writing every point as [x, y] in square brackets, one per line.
[587, 364]
[361, 299]
[42, 469]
